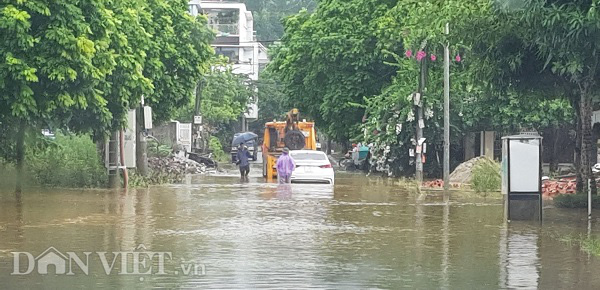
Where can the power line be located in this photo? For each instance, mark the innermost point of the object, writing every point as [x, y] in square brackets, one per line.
[270, 41]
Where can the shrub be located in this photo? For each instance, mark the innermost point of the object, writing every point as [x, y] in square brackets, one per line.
[575, 201]
[486, 176]
[156, 149]
[70, 161]
[214, 145]
[588, 244]
[591, 245]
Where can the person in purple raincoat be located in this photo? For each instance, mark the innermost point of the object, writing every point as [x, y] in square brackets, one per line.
[285, 166]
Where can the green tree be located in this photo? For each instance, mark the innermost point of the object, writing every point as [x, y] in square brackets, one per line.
[490, 86]
[123, 87]
[567, 35]
[177, 57]
[81, 65]
[223, 95]
[272, 100]
[548, 49]
[51, 61]
[329, 61]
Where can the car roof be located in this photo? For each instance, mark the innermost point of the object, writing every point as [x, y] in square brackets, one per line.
[307, 151]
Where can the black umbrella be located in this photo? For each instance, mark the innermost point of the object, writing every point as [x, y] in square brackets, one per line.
[243, 138]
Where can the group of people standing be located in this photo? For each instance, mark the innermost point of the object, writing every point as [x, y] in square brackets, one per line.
[285, 164]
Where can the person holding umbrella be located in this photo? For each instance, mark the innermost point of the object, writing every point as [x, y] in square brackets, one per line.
[242, 160]
[285, 166]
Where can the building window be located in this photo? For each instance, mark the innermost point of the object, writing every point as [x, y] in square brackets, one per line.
[230, 52]
[224, 21]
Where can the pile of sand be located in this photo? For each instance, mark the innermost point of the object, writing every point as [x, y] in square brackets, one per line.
[462, 174]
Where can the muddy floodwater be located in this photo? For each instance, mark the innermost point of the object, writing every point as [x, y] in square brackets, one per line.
[219, 232]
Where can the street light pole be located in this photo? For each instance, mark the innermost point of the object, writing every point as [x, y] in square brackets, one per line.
[447, 111]
[419, 107]
[141, 145]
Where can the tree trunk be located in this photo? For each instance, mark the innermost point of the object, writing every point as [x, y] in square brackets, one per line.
[586, 140]
[100, 150]
[20, 150]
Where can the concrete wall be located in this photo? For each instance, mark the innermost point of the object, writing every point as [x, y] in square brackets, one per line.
[487, 144]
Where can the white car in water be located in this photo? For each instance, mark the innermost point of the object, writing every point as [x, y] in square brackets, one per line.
[312, 167]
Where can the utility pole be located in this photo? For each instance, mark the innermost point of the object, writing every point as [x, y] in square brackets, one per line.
[197, 127]
[141, 145]
[447, 112]
[114, 181]
[419, 107]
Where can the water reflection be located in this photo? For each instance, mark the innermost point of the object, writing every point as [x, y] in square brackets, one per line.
[446, 243]
[361, 233]
[519, 258]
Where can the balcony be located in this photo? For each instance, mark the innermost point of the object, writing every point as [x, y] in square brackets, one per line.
[226, 29]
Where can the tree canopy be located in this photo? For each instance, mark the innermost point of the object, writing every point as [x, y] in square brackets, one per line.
[329, 61]
[223, 95]
[355, 70]
[81, 65]
[269, 15]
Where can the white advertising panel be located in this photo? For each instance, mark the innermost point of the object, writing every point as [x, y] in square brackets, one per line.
[524, 165]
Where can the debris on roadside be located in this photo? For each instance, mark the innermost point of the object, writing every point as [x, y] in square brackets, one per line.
[205, 160]
[174, 164]
[169, 169]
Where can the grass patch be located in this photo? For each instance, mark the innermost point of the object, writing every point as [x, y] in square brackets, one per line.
[589, 245]
[486, 176]
[467, 194]
[576, 201]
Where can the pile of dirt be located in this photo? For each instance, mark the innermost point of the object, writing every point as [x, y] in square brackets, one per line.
[463, 173]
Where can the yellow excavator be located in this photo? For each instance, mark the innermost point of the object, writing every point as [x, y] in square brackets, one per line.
[291, 133]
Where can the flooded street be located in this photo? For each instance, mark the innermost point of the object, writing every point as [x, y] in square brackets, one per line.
[362, 233]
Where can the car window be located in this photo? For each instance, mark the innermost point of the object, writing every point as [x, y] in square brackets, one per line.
[309, 156]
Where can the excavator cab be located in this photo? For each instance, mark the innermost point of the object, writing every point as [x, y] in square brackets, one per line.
[293, 134]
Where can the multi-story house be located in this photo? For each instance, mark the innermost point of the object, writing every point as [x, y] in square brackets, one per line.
[236, 39]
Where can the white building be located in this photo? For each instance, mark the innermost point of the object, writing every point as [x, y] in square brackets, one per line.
[236, 39]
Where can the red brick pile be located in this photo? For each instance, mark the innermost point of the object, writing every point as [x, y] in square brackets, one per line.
[552, 188]
[437, 183]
